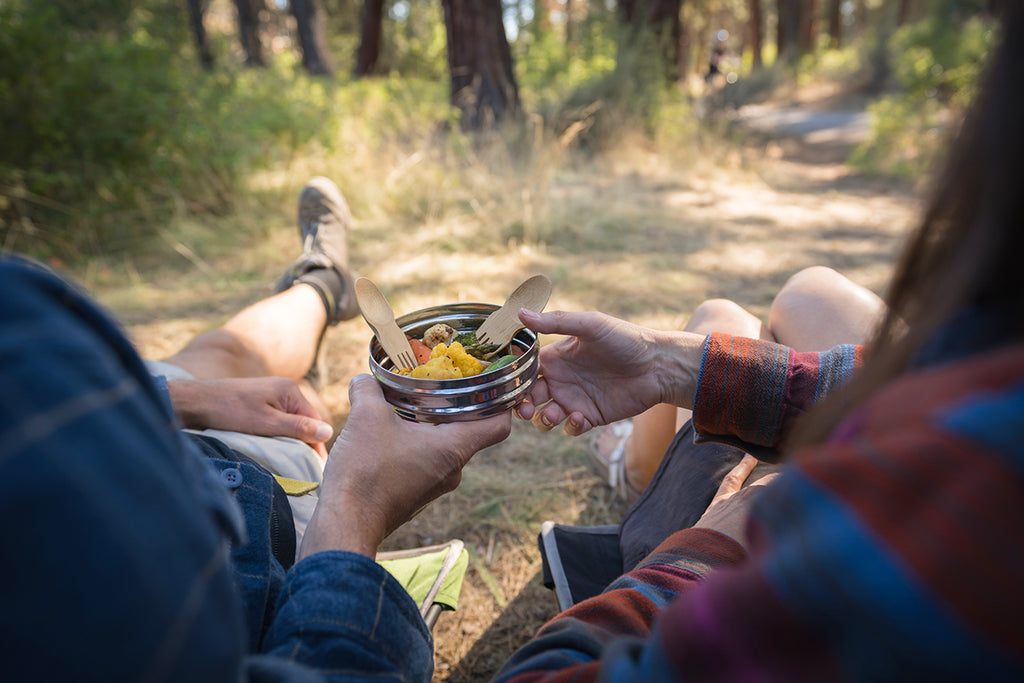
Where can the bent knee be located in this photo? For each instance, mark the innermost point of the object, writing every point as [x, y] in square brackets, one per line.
[813, 280]
[723, 315]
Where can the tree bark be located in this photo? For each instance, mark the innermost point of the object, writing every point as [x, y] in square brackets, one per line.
[196, 9]
[311, 38]
[658, 19]
[808, 34]
[249, 31]
[756, 32]
[787, 29]
[835, 23]
[371, 22]
[483, 85]
[904, 13]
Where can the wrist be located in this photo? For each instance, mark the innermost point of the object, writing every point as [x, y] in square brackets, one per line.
[186, 398]
[677, 363]
[341, 523]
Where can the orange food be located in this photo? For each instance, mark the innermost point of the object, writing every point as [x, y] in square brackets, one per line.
[421, 350]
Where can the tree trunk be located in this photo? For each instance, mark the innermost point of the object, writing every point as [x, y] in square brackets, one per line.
[249, 31]
[904, 13]
[483, 85]
[657, 19]
[196, 9]
[835, 23]
[311, 39]
[787, 30]
[756, 32]
[570, 25]
[808, 35]
[371, 22]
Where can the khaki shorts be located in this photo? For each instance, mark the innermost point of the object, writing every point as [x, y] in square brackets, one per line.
[282, 456]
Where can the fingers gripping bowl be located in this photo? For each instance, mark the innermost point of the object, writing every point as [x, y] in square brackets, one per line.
[456, 400]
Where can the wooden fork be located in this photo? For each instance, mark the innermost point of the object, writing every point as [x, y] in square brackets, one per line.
[381, 319]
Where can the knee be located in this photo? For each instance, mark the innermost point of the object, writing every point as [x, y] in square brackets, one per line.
[723, 315]
[813, 283]
[717, 309]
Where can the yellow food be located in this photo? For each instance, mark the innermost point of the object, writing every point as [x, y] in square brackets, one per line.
[448, 362]
[441, 367]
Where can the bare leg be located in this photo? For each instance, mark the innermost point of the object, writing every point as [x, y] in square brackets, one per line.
[818, 308]
[274, 337]
[815, 310]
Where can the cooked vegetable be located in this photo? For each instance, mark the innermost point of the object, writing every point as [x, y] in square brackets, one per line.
[473, 346]
[448, 362]
[439, 334]
[421, 350]
[500, 363]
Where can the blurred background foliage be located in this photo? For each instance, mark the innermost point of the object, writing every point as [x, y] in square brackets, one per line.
[113, 131]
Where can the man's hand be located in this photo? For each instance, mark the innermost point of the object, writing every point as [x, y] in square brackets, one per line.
[384, 469]
[264, 406]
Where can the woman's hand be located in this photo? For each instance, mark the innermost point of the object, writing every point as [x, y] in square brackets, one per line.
[730, 508]
[606, 369]
[384, 469]
[264, 406]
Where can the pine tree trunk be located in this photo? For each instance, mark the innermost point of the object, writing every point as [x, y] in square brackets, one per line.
[483, 85]
[835, 23]
[249, 31]
[311, 39]
[195, 17]
[655, 23]
[371, 29]
[756, 32]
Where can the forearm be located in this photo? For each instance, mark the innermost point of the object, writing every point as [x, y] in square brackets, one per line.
[342, 523]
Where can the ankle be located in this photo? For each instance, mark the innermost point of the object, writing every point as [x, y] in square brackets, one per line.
[328, 285]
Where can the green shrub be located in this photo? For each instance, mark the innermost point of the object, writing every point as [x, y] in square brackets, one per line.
[110, 127]
[936, 65]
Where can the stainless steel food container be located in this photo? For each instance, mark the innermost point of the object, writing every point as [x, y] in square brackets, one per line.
[456, 400]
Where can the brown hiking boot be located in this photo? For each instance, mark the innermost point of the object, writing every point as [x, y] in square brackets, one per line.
[324, 225]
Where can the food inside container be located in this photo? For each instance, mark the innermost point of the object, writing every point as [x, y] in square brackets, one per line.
[446, 353]
[466, 397]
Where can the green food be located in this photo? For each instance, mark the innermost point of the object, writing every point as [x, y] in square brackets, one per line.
[474, 347]
[500, 363]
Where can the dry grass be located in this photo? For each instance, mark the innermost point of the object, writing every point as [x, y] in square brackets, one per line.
[637, 234]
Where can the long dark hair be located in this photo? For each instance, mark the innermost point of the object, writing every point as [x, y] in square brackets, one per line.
[968, 252]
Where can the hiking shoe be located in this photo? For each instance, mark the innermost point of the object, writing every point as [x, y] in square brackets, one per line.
[324, 225]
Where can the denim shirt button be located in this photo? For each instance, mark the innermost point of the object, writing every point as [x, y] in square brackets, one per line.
[231, 477]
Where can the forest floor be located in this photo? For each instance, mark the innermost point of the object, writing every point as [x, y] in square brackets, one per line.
[671, 235]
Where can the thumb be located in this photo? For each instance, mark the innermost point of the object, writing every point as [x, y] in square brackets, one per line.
[363, 391]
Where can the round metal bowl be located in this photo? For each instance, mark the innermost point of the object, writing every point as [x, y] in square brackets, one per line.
[456, 400]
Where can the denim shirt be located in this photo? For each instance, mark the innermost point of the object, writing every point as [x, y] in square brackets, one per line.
[127, 555]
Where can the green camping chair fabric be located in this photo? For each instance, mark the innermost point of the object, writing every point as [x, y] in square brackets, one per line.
[432, 575]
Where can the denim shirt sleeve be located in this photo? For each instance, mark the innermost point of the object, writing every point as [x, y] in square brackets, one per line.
[341, 615]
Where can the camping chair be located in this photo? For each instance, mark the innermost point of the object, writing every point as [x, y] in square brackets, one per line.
[579, 561]
[432, 575]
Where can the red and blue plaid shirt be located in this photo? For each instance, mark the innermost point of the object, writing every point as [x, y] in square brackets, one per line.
[891, 552]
